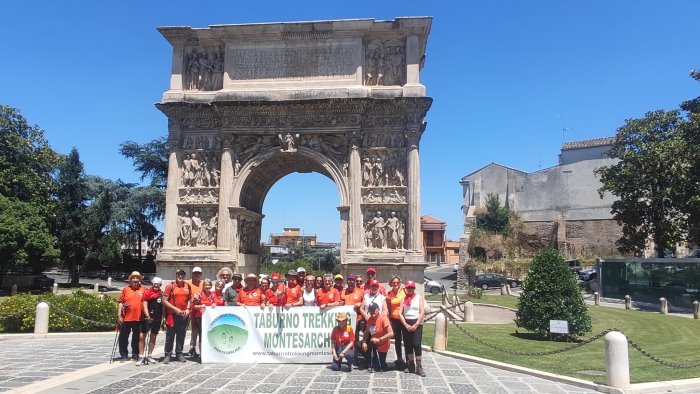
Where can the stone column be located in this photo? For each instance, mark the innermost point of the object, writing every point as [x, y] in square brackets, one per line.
[412, 61]
[171, 199]
[223, 237]
[344, 212]
[355, 185]
[413, 197]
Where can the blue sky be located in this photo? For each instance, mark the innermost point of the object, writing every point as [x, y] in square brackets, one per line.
[501, 73]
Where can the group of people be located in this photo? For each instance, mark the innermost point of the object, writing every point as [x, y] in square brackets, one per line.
[381, 315]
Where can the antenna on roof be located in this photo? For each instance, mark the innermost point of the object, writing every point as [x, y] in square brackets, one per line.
[564, 129]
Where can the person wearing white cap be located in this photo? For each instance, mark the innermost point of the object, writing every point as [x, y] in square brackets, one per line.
[152, 301]
[196, 285]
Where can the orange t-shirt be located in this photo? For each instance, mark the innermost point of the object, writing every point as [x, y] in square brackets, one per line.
[352, 297]
[195, 289]
[293, 294]
[270, 297]
[395, 301]
[282, 299]
[342, 335]
[250, 297]
[218, 299]
[327, 297]
[378, 327]
[131, 303]
[203, 299]
[180, 295]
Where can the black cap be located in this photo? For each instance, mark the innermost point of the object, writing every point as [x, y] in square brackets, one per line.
[373, 306]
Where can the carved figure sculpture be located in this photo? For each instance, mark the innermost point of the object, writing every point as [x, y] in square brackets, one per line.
[377, 225]
[392, 231]
[367, 173]
[214, 177]
[185, 229]
[287, 142]
[398, 177]
[196, 229]
[378, 172]
[236, 168]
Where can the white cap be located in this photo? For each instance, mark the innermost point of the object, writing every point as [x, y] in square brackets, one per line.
[156, 280]
[196, 269]
[301, 269]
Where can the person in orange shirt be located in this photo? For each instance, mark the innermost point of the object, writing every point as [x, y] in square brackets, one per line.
[200, 301]
[279, 288]
[250, 295]
[338, 279]
[328, 296]
[196, 285]
[342, 342]
[372, 275]
[377, 339]
[293, 293]
[177, 299]
[394, 299]
[130, 316]
[219, 292]
[268, 296]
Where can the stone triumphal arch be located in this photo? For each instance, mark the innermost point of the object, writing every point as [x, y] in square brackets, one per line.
[249, 104]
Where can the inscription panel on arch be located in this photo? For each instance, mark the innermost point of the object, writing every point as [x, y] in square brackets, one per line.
[320, 61]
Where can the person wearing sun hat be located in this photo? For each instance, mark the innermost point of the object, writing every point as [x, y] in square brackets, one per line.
[130, 317]
[411, 313]
[338, 282]
[250, 295]
[342, 342]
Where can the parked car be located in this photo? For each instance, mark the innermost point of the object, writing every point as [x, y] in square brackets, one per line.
[432, 286]
[588, 274]
[574, 267]
[455, 268]
[493, 279]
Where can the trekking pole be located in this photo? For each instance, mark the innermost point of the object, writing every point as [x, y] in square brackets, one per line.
[114, 346]
[145, 345]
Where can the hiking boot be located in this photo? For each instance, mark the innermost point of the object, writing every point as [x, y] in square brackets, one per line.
[349, 367]
[181, 358]
[370, 370]
[192, 352]
[166, 359]
[138, 361]
[123, 358]
[420, 372]
[411, 367]
[400, 365]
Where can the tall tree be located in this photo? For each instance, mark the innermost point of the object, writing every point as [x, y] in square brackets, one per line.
[649, 181]
[24, 237]
[151, 160]
[495, 219]
[71, 231]
[27, 163]
[691, 135]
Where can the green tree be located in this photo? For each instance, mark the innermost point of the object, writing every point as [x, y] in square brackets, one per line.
[71, 215]
[549, 293]
[27, 163]
[691, 135]
[151, 160]
[649, 181]
[24, 237]
[495, 219]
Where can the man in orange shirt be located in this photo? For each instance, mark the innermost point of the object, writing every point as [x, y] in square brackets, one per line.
[328, 296]
[377, 339]
[293, 293]
[177, 299]
[279, 288]
[130, 316]
[196, 285]
[250, 295]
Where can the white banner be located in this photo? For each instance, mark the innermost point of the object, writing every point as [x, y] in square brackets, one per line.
[238, 334]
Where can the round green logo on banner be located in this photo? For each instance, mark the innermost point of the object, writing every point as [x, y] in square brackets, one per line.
[227, 333]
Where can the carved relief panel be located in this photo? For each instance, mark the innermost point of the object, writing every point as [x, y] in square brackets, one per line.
[333, 146]
[385, 63]
[384, 229]
[384, 167]
[246, 147]
[248, 234]
[197, 226]
[203, 68]
[200, 169]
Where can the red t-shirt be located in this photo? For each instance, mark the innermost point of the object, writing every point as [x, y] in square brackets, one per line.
[352, 297]
[177, 295]
[203, 299]
[218, 299]
[378, 327]
[327, 297]
[342, 335]
[293, 294]
[250, 297]
[270, 297]
[282, 299]
[131, 303]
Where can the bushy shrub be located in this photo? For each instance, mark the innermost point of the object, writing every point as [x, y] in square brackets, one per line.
[17, 313]
[550, 293]
[474, 293]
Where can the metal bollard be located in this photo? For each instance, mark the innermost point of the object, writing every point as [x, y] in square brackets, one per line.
[628, 302]
[596, 297]
[109, 281]
[617, 364]
[14, 289]
[468, 311]
[440, 339]
[96, 290]
[55, 288]
[41, 322]
[663, 306]
[508, 289]
[503, 290]
[696, 310]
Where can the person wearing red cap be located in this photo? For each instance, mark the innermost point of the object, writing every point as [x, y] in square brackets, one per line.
[411, 315]
[279, 288]
[372, 275]
[376, 340]
[269, 297]
[369, 298]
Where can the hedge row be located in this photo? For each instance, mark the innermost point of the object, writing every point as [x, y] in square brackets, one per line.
[17, 313]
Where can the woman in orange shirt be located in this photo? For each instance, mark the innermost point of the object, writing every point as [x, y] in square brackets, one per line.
[268, 296]
[342, 342]
[394, 298]
[201, 300]
[219, 292]
[250, 295]
[328, 296]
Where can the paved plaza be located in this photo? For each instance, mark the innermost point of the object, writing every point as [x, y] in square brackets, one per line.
[80, 364]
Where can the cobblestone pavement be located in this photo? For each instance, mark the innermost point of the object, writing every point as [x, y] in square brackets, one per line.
[26, 361]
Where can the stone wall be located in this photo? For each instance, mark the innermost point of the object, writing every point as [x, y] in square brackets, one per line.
[574, 238]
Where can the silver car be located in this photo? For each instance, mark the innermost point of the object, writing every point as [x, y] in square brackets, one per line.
[432, 286]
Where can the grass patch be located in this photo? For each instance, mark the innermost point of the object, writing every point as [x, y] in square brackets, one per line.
[666, 337]
[507, 301]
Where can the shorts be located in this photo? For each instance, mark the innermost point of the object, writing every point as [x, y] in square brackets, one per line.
[153, 327]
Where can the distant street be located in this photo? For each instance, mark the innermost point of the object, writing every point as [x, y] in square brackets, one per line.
[445, 275]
